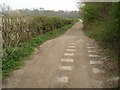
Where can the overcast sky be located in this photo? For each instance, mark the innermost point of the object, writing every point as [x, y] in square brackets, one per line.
[46, 4]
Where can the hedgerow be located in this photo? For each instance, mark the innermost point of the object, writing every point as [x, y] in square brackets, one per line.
[22, 35]
[101, 23]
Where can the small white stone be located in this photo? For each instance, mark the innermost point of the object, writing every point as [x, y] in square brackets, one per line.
[90, 47]
[96, 70]
[64, 79]
[91, 51]
[68, 54]
[94, 56]
[65, 68]
[67, 60]
[96, 62]
[115, 78]
[70, 50]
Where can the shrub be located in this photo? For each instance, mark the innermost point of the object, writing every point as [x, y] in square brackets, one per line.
[102, 25]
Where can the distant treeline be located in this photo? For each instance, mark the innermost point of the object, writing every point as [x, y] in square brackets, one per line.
[101, 22]
[42, 12]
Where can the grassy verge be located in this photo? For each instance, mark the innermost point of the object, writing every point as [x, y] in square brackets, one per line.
[102, 25]
[101, 32]
[15, 56]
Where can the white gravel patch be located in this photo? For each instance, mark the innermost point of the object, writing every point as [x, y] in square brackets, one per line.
[67, 60]
[90, 47]
[71, 46]
[96, 70]
[71, 50]
[64, 79]
[94, 56]
[65, 68]
[92, 51]
[68, 54]
[88, 44]
[96, 62]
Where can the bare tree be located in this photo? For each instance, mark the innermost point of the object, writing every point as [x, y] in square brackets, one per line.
[4, 9]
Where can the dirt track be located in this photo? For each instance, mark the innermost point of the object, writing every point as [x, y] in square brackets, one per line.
[63, 62]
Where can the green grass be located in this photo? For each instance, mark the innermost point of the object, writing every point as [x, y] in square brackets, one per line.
[16, 55]
[101, 32]
[102, 25]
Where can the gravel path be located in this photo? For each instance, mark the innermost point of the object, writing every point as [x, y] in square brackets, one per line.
[64, 62]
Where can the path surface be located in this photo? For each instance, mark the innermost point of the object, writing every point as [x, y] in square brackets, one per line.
[64, 62]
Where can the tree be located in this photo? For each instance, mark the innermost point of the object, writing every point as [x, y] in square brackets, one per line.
[4, 9]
